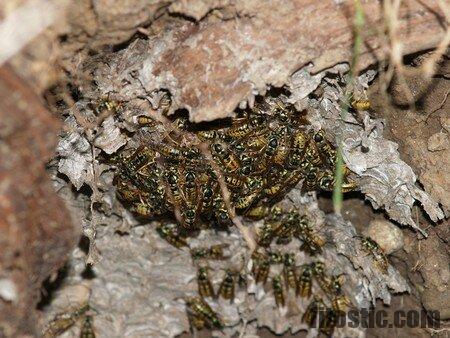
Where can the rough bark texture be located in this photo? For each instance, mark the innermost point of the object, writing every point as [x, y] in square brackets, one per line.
[212, 66]
[36, 232]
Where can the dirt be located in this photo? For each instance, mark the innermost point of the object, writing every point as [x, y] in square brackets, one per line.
[415, 129]
[422, 132]
[424, 262]
[35, 239]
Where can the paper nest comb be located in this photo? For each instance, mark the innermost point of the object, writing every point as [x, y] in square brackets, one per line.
[139, 282]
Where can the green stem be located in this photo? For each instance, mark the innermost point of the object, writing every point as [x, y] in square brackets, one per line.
[358, 23]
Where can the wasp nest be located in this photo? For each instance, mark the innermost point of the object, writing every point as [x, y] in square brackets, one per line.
[216, 225]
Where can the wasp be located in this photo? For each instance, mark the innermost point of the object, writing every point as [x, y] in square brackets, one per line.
[318, 269]
[191, 155]
[292, 217]
[294, 161]
[189, 217]
[226, 289]
[144, 209]
[335, 286]
[281, 110]
[312, 243]
[226, 158]
[222, 215]
[321, 142]
[214, 252]
[246, 165]
[305, 166]
[258, 212]
[312, 154]
[262, 267]
[278, 293]
[340, 303]
[324, 147]
[87, 329]
[171, 236]
[313, 309]
[273, 190]
[106, 105]
[331, 158]
[268, 232]
[302, 226]
[310, 182]
[244, 202]
[276, 214]
[240, 129]
[234, 182]
[257, 143]
[196, 321]
[197, 307]
[290, 274]
[326, 181]
[64, 321]
[207, 198]
[205, 288]
[176, 198]
[361, 104]
[164, 102]
[255, 183]
[275, 257]
[282, 152]
[243, 127]
[170, 153]
[245, 170]
[276, 146]
[238, 147]
[141, 158]
[328, 323]
[292, 178]
[181, 123]
[272, 144]
[370, 246]
[207, 135]
[286, 230]
[245, 159]
[151, 180]
[299, 143]
[190, 187]
[263, 164]
[144, 120]
[220, 210]
[305, 282]
[349, 186]
[157, 200]
[126, 192]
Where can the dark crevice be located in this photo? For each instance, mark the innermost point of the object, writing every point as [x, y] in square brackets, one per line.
[51, 285]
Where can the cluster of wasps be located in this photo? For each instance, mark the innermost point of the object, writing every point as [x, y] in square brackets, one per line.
[298, 280]
[319, 313]
[260, 155]
[200, 313]
[283, 227]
